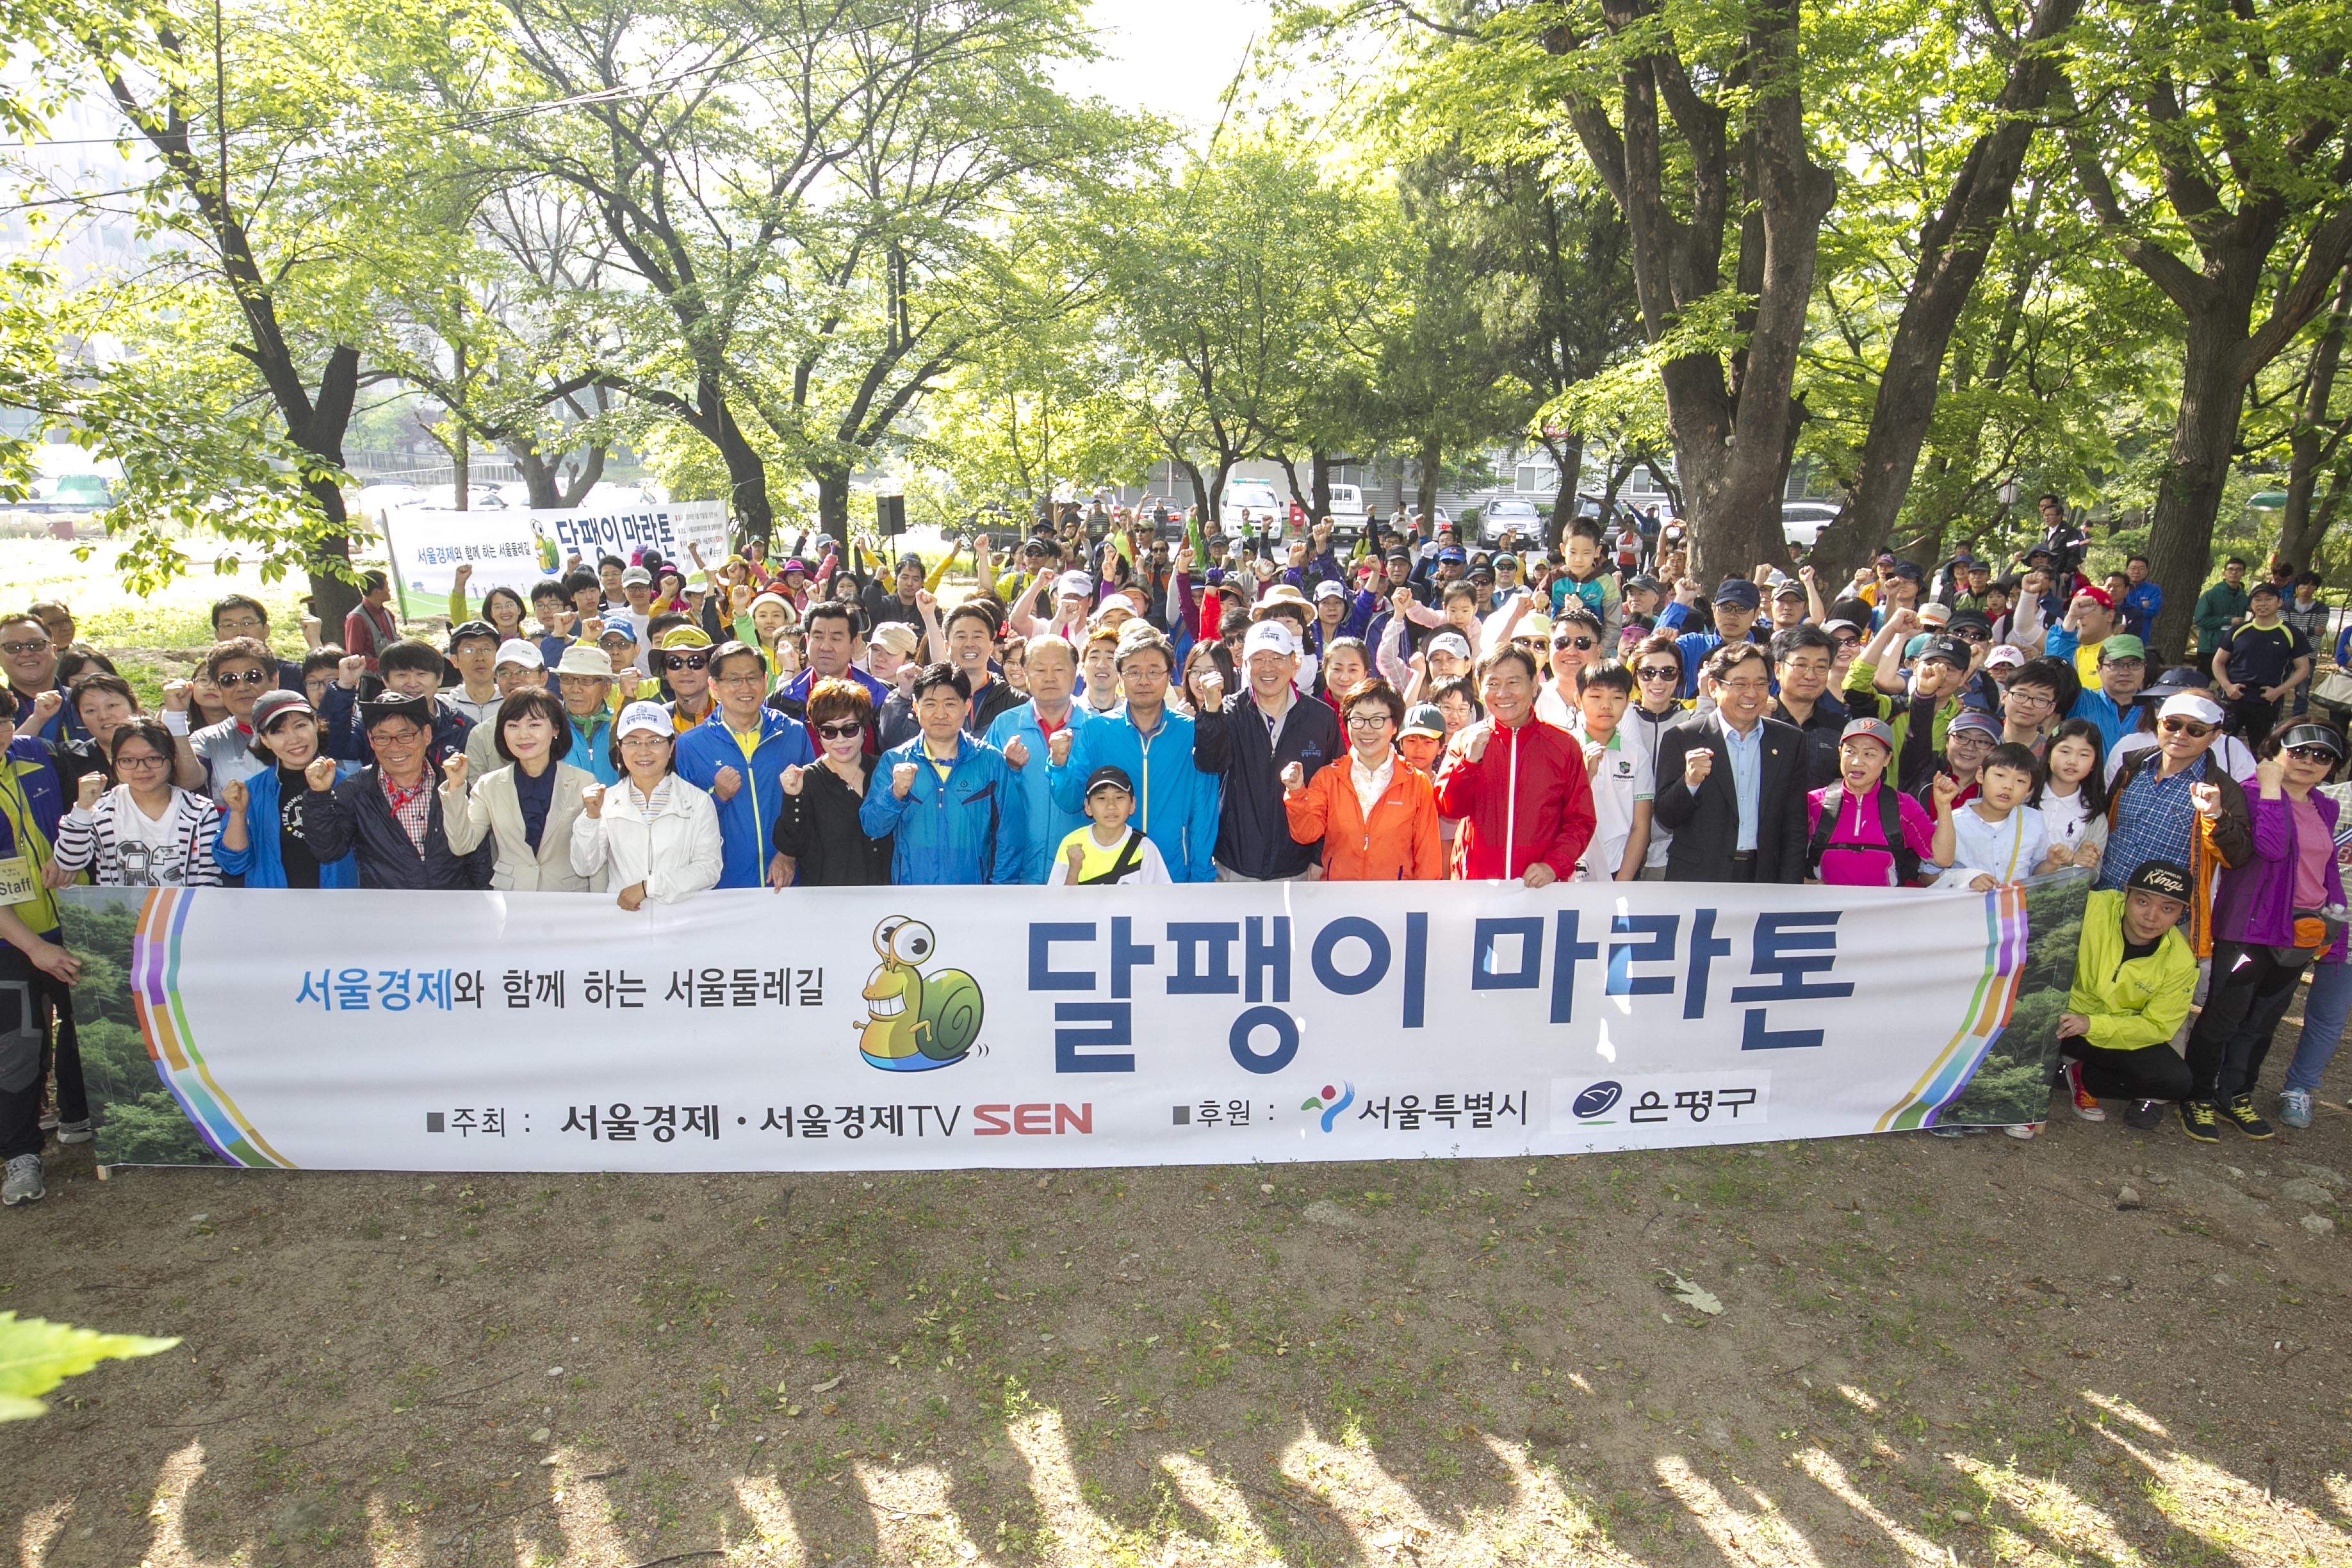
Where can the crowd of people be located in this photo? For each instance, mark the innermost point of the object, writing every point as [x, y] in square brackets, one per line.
[1141, 698]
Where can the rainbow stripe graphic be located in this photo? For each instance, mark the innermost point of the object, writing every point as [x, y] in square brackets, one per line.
[155, 996]
[1987, 1014]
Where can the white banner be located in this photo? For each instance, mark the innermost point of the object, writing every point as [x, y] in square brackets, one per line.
[929, 1027]
[515, 549]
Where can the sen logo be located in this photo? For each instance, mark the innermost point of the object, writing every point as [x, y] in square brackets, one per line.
[1038, 1121]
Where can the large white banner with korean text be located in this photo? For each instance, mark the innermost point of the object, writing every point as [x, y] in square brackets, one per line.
[927, 1028]
[515, 549]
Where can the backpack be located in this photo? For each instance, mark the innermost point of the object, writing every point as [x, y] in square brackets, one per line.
[1890, 828]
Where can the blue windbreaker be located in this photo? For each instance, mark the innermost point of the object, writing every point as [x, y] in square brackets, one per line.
[1044, 825]
[260, 862]
[746, 823]
[962, 830]
[1176, 802]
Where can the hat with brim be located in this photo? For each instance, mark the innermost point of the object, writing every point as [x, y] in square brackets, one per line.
[271, 706]
[417, 711]
[581, 659]
[2300, 735]
[1739, 594]
[1270, 637]
[1877, 729]
[1109, 776]
[2123, 645]
[522, 654]
[1284, 594]
[617, 627]
[2192, 705]
[1454, 643]
[1074, 585]
[459, 634]
[895, 636]
[1972, 721]
[1426, 719]
[2005, 657]
[2165, 878]
[643, 718]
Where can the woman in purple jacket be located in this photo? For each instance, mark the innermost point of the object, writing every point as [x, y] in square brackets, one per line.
[2267, 925]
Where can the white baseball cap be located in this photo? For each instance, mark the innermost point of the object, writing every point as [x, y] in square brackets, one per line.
[516, 651]
[2190, 705]
[1454, 643]
[1074, 585]
[1270, 637]
[643, 717]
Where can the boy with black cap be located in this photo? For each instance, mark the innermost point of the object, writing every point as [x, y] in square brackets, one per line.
[2133, 974]
[1107, 850]
[1737, 604]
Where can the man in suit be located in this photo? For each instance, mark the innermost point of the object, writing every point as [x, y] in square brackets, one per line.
[1731, 785]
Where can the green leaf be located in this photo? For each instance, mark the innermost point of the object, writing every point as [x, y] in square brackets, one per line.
[35, 1355]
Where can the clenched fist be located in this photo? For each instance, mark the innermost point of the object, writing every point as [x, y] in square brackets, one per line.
[454, 770]
[1212, 683]
[726, 782]
[349, 670]
[926, 600]
[464, 573]
[902, 780]
[46, 706]
[92, 785]
[792, 779]
[1058, 748]
[591, 801]
[233, 796]
[175, 696]
[1697, 763]
[1017, 753]
[1293, 778]
[1472, 740]
[1945, 790]
[320, 774]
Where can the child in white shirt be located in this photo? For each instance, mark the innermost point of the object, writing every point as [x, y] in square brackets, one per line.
[1108, 851]
[1995, 840]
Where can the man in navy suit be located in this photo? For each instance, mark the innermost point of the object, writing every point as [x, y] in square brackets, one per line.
[1732, 784]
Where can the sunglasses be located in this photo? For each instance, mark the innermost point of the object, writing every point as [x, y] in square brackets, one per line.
[1849, 641]
[2188, 726]
[244, 677]
[1971, 635]
[2314, 754]
[686, 661]
[31, 646]
[1579, 643]
[1658, 672]
[839, 731]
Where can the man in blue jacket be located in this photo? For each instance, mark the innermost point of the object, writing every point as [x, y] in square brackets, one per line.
[1026, 735]
[1175, 802]
[950, 801]
[740, 755]
[1247, 742]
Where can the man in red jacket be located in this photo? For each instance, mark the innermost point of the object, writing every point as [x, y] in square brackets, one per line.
[1518, 783]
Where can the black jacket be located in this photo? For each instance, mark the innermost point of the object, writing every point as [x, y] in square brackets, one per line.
[819, 829]
[356, 818]
[1231, 746]
[1822, 732]
[1706, 824]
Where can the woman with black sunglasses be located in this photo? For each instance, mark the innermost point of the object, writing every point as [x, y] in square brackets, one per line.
[816, 824]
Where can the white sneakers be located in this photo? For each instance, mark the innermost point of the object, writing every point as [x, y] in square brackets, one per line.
[22, 1183]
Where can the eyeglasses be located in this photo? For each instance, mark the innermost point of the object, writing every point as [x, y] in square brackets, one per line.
[840, 731]
[239, 626]
[243, 677]
[1579, 643]
[686, 661]
[740, 677]
[2031, 697]
[29, 646]
[1658, 672]
[2313, 754]
[2189, 727]
[142, 760]
[1367, 720]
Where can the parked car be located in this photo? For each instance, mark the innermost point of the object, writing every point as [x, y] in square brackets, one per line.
[1802, 522]
[1349, 514]
[1509, 515]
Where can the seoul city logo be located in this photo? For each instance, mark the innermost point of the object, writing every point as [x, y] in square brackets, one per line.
[1330, 1102]
[915, 1022]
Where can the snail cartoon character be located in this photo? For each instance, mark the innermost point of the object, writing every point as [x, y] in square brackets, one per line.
[915, 1022]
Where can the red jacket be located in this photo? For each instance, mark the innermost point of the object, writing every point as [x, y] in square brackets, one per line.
[1527, 799]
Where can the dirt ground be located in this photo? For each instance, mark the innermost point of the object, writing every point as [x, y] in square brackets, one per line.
[1927, 1351]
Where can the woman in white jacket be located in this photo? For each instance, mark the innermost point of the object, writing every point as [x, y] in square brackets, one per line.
[653, 834]
[529, 808]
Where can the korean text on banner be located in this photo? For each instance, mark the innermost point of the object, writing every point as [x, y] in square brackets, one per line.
[947, 1027]
[427, 544]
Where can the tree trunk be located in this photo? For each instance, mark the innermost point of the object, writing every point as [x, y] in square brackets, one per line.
[1319, 470]
[832, 505]
[2313, 436]
[1193, 477]
[1568, 459]
[1954, 247]
[1425, 480]
[2189, 485]
[747, 479]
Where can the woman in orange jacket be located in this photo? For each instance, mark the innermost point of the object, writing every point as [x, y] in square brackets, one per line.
[1376, 817]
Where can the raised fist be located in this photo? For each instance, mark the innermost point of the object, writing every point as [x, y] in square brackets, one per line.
[791, 780]
[902, 779]
[349, 670]
[175, 696]
[1293, 778]
[233, 796]
[739, 597]
[1017, 753]
[1057, 749]
[320, 774]
[726, 782]
[1401, 601]
[46, 706]
[1077, 858]
[1472, 740]
[591, 801]
[1946, 789]
[464, 573]
[1903, 623]
[591, 627]
[1211, 682]
[454, 770]
[92, 785]
[926, 600]
[1697, 763]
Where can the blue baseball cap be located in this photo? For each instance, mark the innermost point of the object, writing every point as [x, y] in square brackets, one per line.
[1738, 593]
[618, 627]
[1452, 553]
